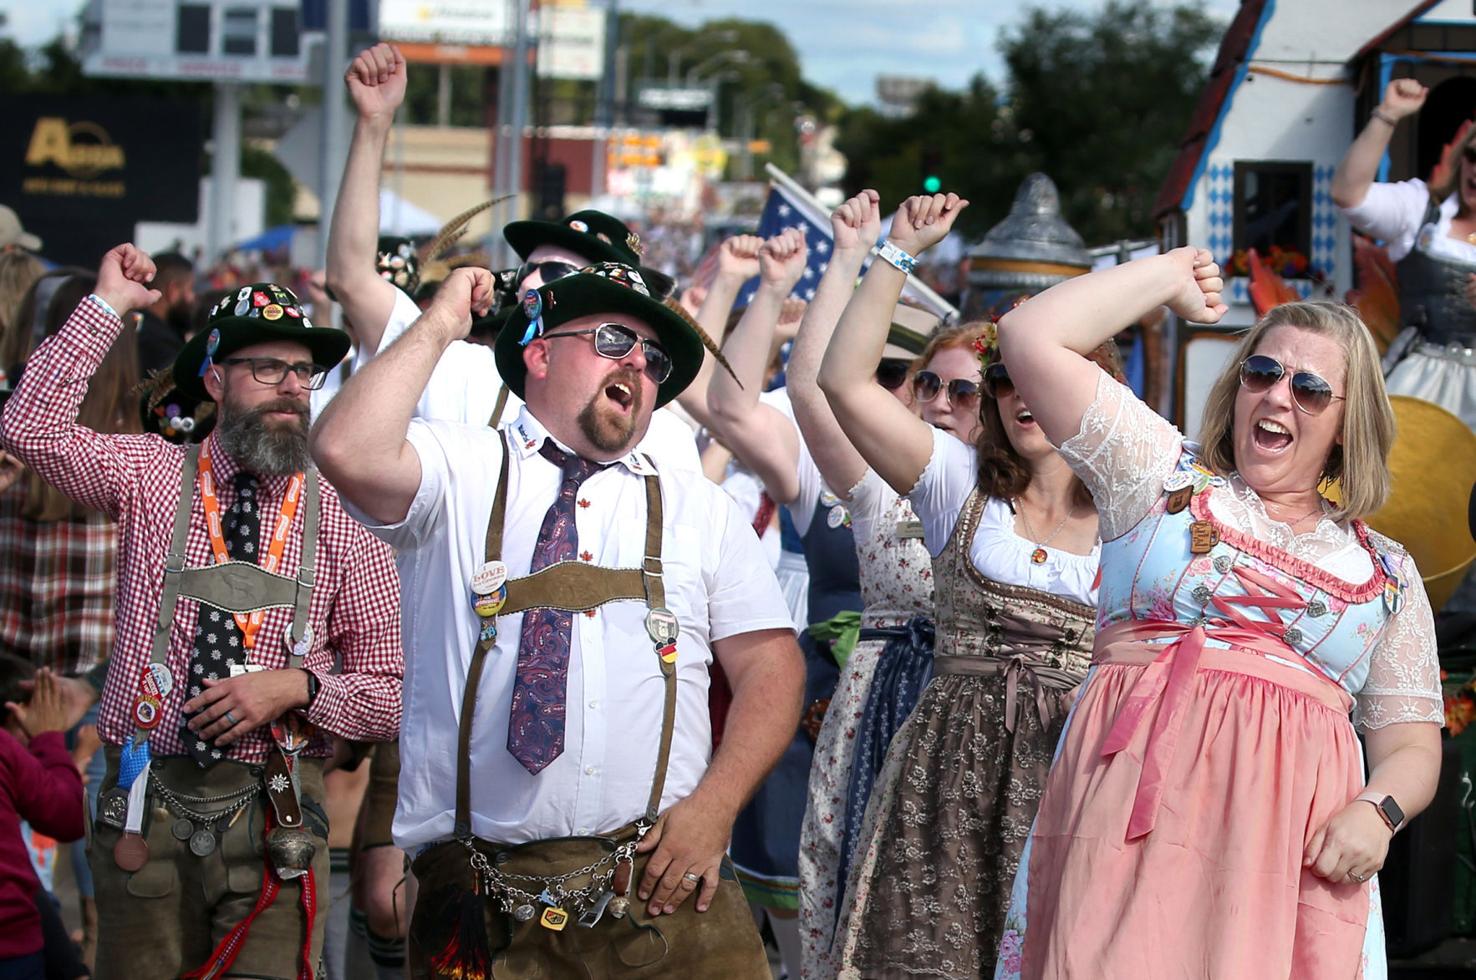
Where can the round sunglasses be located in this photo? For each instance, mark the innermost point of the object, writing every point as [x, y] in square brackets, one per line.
[961, 392]
[1310, 393]
[615, 340]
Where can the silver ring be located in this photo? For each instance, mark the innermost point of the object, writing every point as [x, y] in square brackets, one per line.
[689, 876]
[1357, 877]
[231, 718]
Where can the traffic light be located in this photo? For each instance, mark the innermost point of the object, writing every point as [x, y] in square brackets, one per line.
[932, 168]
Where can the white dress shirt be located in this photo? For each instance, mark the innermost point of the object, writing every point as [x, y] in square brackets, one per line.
[465, 383]
[717, 583]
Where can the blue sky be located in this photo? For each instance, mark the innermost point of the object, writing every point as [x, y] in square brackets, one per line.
[843, 44]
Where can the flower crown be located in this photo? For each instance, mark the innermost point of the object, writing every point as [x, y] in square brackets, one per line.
[986, 345]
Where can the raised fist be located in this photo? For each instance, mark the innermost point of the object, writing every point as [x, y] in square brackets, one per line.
[376, 81]
[857, 222]
[924, 221]
[782, 260]
[1403, 97]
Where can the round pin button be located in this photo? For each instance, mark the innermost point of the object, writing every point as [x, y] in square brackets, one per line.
[489, 577]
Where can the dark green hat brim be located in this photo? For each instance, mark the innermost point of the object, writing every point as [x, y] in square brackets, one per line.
[585, 294]
[327, 345]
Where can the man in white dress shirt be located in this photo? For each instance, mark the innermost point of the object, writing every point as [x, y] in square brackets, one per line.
[592, 839]
[465, 386]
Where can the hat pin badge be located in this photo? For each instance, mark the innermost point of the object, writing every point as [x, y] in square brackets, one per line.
[211, 346]
[533, 310]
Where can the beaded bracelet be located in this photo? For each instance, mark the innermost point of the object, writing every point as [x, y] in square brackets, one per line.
[1384, 117]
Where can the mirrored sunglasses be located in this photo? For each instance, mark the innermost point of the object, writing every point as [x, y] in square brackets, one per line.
[551, 271]
[962, 393]
[1310, 393]
[615, 340]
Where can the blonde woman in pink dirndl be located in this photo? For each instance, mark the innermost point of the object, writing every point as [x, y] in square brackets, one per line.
[1207, 814]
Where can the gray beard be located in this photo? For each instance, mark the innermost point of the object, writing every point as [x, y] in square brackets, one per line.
[262, 450]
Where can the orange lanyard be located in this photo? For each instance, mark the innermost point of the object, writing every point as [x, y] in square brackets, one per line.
[249, 625]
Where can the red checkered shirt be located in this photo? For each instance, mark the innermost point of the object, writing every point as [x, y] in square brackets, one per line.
[135, 480]
[56, 586]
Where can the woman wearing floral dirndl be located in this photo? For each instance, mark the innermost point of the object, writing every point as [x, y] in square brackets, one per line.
[1013, 537]
[1207, 813]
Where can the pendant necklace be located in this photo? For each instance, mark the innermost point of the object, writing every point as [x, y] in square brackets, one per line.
[1039, 555]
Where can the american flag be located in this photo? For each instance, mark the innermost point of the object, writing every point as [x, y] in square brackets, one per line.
[782, 212]
[790, 206]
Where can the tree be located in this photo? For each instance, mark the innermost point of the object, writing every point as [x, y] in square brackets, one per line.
[1100, 103]
[1097, 101]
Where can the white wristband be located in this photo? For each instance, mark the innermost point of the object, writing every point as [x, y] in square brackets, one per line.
[107, 307]
[895, 256]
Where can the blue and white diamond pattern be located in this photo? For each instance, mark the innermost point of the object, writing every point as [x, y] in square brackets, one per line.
[1219, 187]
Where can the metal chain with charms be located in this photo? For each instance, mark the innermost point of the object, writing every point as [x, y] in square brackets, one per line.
[520, 903]
[201, 830]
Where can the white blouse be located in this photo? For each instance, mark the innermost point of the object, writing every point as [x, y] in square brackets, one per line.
[998, 552]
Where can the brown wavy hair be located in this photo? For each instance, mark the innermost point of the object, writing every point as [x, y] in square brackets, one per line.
[1003, 472]
[110, 405]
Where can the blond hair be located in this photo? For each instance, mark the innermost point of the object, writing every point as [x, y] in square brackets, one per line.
[1361, 462]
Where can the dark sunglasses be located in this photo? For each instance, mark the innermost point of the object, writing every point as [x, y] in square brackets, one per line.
[891, 373]
[271, 371]
[551, 270]
[962, 393]
[997, 383]
[615, 340]
[1310, 393]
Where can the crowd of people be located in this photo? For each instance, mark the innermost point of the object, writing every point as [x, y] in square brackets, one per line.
[430, 647]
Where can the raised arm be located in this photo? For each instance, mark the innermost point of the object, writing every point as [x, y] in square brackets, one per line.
[890, 438]
[1043, 340]
[360, 441]
[760, 436]
[39, 426]
[856, 224]
[376, 84]
[1360, 165]
[737, 263]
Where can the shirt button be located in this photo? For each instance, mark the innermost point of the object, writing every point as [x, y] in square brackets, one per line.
[595, 703]
[589, 770]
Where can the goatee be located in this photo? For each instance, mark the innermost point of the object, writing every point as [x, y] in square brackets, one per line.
[610, 431]
[262, 448]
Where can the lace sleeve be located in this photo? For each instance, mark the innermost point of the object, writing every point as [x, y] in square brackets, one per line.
[1404, 675]
[1122, 453]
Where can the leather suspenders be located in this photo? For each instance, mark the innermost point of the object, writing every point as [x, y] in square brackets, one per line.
[575, 586]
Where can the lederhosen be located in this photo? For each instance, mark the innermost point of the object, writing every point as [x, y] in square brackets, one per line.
[235, 587]
[471, 911]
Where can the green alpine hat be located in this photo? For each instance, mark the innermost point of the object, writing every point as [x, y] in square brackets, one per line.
[253, 314]
[593, 234]
[606, 287]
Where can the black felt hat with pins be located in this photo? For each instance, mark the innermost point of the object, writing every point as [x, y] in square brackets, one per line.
[593, 234]
[606, 287]
[254, 314]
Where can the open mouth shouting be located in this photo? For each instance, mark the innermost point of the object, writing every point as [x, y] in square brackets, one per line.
[622, 394]
[1270, 436]
[1023, 417]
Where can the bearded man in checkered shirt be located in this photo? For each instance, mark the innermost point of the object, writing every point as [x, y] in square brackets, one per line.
[214, 716]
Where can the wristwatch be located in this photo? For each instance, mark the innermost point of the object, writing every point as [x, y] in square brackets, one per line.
[312, 687]
[1392, 815]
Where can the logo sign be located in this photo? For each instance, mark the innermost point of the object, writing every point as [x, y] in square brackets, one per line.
[81, 171]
